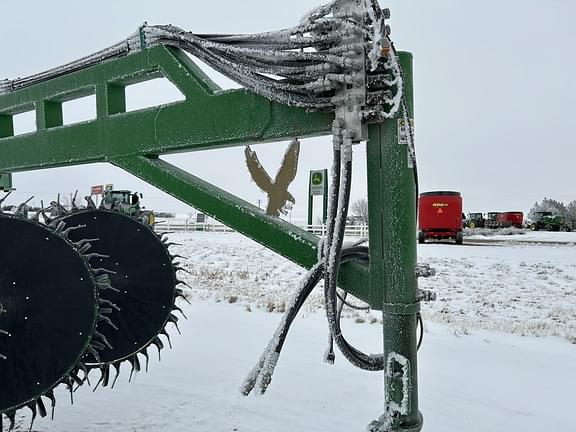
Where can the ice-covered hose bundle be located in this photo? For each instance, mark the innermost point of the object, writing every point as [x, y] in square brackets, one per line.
[305, 65]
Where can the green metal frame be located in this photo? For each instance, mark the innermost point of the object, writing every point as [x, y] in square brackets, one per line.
[211, 118]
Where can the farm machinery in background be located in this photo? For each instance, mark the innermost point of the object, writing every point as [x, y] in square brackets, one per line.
[128, 203]
[440, 216]
[495, 220]
[94, 288]
[548, 221]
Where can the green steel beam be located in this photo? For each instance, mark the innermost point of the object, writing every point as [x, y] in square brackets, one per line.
[208, 118]
[282, 237]
[392, 217]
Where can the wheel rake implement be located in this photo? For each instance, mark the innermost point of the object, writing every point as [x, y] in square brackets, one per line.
[50, 313]
[143, 274]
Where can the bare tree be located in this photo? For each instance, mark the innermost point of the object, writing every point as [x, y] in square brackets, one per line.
[359, 209]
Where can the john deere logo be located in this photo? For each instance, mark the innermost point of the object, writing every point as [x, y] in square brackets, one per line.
[317, 179]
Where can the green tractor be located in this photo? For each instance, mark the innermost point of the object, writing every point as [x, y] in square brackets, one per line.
[475, 220]
[128, 203]
[545, 220]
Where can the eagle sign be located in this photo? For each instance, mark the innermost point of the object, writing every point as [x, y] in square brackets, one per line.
[277, 191]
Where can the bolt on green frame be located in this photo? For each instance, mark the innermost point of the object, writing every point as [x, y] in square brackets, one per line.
[210, 118]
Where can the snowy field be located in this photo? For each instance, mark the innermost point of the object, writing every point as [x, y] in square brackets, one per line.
[499, 350]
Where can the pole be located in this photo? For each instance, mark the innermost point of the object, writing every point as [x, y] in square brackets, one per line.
[392, 219]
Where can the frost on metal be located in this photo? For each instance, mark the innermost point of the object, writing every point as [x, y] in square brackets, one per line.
[397, 370]
[261, 374]
[307, 65]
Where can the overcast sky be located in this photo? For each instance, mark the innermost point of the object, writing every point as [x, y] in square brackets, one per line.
[494, 90]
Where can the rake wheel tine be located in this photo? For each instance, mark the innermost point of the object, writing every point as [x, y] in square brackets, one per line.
[102, 271]
[182, 269]
[76, 379]
[147, 357]
[104, 302]
[171, 244]
[32, 407]
[90, 256]
[177, 308]
[117, 368]
[50, 396]
[59, 228]
[74, 228]
[158, 343]
[41, 407]
[12, 418]
[107, 321]
[165, 333]
[106, 375]
[103, 338]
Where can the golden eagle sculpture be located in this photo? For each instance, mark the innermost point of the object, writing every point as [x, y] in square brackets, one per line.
[277, 191]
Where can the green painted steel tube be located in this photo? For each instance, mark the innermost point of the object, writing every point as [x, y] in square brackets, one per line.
[208, 118]
[276, 234]
[392, 218]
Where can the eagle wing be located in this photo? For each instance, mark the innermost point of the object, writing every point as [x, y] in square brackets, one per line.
[257, 171]
[289, 166]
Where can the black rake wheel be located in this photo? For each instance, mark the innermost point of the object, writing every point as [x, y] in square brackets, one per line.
[144, 281]
[49, 309]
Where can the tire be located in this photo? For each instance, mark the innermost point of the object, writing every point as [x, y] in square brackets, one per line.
[534, 227]
[471, 225]
[459, 238]
[421, 237]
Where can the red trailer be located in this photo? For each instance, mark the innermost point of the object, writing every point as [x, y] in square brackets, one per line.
[513, 218]
[440, 216]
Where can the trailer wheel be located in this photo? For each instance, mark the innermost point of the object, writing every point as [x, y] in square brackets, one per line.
[421, 237]
[459, 238]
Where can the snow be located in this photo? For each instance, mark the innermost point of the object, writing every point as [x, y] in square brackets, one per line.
[476, 373]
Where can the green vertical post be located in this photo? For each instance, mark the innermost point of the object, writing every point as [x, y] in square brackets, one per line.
[325, 198]
[5, 183]
[48, 114]
[6, 125]
[310, 200]
[392, 219]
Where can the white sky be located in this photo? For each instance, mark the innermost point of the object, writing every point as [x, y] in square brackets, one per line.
[494, 89]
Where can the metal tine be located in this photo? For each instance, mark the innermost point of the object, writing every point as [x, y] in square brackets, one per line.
[4, 197]
[12, 418]
[74, 206]
[84, 369]
[177, 308]
[135, 365]
[90, 256]
[100, 271]
[104, 369]
[90, 203]
[104, 302]
[171, 244]
[107, 321]
[102, 338]
[158, 343]
[83, 242]
[32, 407]
[178, 268]
[146, 356]
[50, 396]
[165, 333]
[117, 368]
[20, 209]
[60, 227]
[41, 407]
[47, 218]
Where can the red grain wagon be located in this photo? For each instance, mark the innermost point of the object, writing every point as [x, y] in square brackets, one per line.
[440, 216]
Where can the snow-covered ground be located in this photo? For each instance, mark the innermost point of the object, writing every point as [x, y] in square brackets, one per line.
[477, 373]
